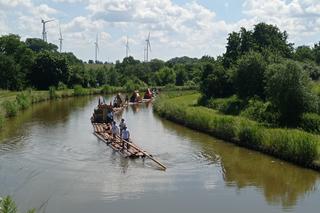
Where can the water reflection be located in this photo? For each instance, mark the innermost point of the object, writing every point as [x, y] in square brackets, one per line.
[281, 182]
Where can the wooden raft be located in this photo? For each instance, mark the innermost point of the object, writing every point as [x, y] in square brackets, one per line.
[116, 144]
[134, 151]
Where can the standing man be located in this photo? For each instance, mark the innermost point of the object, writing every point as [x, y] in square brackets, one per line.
[125, 136]
[122, 125]
[115, 130]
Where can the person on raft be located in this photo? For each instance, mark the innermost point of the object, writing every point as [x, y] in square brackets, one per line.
[125, 136]
[109, 117]
[122, 125]
[148, 94]
[115, 130]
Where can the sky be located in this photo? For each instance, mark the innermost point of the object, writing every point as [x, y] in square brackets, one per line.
[177, 28]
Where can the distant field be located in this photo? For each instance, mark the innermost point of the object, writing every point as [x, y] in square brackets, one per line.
[97, 66]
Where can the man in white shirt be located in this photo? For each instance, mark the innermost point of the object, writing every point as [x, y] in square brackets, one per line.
[115, 130]
[125, 136]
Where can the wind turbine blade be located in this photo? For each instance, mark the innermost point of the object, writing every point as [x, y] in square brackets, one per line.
[149, 36]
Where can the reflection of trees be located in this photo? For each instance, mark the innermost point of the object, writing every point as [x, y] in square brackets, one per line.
[48, 113]
[282, 183]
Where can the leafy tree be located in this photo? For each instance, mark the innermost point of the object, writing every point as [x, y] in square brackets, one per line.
[10, 74]
[181, 74]
[303, 53]
[249, 75]
[48, 70]
[316, 50]
[289, 90]
[215, 81]
[37, 45]
[165, 76]
[233, 49]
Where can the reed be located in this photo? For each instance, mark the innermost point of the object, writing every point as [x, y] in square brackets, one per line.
[289, 144]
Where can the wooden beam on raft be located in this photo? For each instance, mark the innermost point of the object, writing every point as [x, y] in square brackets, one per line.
[146, 154]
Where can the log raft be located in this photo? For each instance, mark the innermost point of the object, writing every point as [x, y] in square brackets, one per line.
[124, 148]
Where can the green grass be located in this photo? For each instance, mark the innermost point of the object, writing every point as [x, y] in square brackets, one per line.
[289, 144]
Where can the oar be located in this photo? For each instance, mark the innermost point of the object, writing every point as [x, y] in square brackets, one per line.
[146, 154]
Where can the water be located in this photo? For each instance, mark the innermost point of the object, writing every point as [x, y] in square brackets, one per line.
[51, 161]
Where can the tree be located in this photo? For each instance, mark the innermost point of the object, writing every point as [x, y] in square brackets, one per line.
[215, 81]
[38, 45]
[316, 50]
[289, 90]
[304, 53]
[267, 36]
[10, 74]
[48, 70]
[233, 49]
[165, 76]
[249, 75]
[181, 74]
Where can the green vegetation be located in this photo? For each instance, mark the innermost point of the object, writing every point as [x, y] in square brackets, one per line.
[7, 205]
[289, 144]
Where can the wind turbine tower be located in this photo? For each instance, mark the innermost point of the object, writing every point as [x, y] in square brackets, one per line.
[96, 49]
[148, 47]
[44, 32]
[60, 38]
[127, 48]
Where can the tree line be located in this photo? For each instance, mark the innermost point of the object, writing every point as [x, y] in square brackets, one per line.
[261, 76]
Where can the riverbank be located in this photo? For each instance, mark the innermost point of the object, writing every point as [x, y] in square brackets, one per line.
[292, 145]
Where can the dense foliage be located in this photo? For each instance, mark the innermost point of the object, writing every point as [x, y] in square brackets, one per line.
[271, 79]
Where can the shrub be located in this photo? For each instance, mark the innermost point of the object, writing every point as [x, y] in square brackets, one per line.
[52, 92]
[23, 101]
[250, 135]
[61, 86]
[230, 106]
[11, 108]
[260, 111]
[78, 90]
[1, 121]
[310, 122]
[289, 90]
[7, 205]
[131, 86]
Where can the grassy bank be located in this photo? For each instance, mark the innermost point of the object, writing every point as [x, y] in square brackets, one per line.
[289, 144]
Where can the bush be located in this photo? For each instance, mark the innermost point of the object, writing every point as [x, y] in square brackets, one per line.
[7, 205]
[78, 90]
[11, 108]
[260, 111]
[1, 121]
[310, 122]
[62, 86]
[230, 106]
[52, 92]
[131, 86]
[23, 101]
[289, 90]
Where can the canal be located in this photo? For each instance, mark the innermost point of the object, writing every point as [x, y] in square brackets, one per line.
[51, 161]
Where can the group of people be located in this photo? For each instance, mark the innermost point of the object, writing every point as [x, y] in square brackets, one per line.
[121, 131]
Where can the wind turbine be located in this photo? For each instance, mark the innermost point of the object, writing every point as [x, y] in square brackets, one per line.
[148, 47]
[60, 39]
[96, 49]
[44, 33]
[127, 48]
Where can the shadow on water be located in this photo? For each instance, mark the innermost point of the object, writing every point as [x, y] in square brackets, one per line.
[281, 182]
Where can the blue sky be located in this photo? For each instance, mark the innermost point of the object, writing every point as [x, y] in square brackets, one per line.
[192, 28]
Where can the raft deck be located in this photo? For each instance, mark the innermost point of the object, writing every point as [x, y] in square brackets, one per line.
[100, 130]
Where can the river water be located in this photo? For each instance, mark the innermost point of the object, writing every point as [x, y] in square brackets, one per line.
[51, 161]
